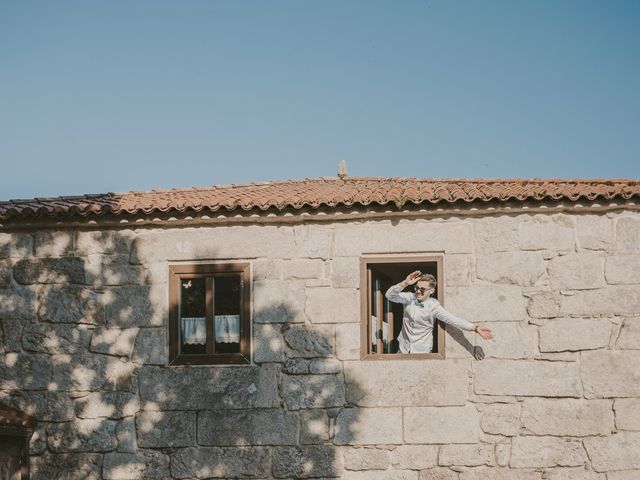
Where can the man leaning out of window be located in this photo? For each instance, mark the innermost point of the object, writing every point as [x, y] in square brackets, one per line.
[421, 311]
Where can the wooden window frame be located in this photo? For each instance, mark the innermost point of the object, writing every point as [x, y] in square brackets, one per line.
[179, 272]
[365, 261]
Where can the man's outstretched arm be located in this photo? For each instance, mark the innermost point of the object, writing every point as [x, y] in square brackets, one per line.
[446, 317]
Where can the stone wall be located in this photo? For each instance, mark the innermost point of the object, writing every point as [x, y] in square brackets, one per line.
[83, 348]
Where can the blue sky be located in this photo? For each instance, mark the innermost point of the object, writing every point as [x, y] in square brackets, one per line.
[113, 96]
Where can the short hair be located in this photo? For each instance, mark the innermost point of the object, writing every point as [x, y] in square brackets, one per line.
[427, 277]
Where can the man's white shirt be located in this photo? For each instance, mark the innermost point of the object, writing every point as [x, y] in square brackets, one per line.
[418, 320]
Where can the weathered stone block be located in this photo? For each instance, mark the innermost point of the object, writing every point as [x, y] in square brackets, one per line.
[395, 383]
[279, 302]
[309, 341]
[500, 419]
[306, 462]
[15, 245]
[620, 451]
[605, 301]
[90, 372]
[577, 271]
[364, 458]
[623, 475]
[332, 305]
[5, 275]
[369, 426]
[313, 241]
[216, 242]
[629, 337]
[126, 434]
[486, 302]
[17, 304]
[627, 413]
[513, 340]
[90, 242]
[166, 429]
[381, 475]
[541, 452]
[496, 234]
[314, 426]
[82, 436]
[441, 425]
[414, 457]
[345, 272]
[123, 466]
[53, 243]
[63, 270]
[267, 269]
[38, 337]
[566, 417]
[548, 233]
[296, 366]
[86, 466]
[544, 305]
[623, 269]
[114, 341]
[268, 343]
[574, 334]
[578, 473]
[151, 347]
[247, 427]
[209, 388]
[607, 374]
[457, 270]
[43, 405]
[304, 268]
[133, 306]
[438, 473]
[70, 304]
[353, 239]
[114, 405]
[11, 334]
[496, 473]
[325, 366]
[595, 232]
[467, 455]
[348, 341]
[313, 391]
[527, 378]
[214, 462]
[25, 371]
[111, 270]
[518, 268]
[628, 235]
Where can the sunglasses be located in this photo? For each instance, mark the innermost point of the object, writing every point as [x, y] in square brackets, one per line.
[420, 289]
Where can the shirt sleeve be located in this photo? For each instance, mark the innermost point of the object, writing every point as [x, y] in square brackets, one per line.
[441, 314]
[396, 295]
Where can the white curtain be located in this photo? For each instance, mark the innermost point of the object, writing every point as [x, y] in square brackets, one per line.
[194, 330]
[227, 328]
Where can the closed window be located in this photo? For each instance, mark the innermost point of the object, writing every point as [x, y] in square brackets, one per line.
[382, 319]
[209, 314]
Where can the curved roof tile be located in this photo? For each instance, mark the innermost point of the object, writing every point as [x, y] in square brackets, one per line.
[321, 192]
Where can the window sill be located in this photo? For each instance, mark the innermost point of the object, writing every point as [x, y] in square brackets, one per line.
[403, 356]
[219, 359]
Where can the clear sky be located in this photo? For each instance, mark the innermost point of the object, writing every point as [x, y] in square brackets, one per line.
[99, 96]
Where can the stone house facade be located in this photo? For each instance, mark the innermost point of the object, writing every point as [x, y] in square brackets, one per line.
[552, 267]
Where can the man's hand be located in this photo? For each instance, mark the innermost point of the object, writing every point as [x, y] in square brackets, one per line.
[412, 278]
[484, 332]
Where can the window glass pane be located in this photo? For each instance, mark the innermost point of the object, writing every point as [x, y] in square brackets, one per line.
[193, 315]
[227, 308]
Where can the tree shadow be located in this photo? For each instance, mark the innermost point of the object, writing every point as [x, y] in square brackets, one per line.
[83, 350]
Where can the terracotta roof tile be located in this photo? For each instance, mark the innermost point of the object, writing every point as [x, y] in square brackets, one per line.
[321, 192]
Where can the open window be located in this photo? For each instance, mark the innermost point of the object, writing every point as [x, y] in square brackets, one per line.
[209, 308]
[381, 320]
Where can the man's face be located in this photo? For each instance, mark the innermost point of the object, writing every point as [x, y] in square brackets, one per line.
[423, 290]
